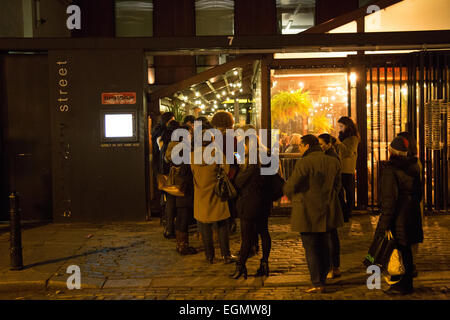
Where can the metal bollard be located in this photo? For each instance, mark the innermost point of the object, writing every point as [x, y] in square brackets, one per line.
[15, 233]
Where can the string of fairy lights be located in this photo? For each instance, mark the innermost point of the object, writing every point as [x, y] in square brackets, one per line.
[210, 97]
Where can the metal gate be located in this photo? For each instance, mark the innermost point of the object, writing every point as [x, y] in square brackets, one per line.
[430, 72]
[403, 91]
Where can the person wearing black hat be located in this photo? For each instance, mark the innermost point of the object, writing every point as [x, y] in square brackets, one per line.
[401, 193]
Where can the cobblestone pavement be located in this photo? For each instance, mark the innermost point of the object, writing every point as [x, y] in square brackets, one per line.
[134, 261]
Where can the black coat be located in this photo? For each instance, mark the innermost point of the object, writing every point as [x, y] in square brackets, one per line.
[187, 186]
[253, 200]
[332, 153]
[401, 193]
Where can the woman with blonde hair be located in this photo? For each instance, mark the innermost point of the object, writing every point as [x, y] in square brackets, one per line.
[294, 143]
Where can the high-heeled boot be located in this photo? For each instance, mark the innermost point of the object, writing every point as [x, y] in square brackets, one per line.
[263, 269]
[241, 269]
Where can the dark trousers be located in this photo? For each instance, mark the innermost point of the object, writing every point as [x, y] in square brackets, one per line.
[347, 194]
[170, 212]
[406, 281]
[335, 249]
[184, 217]
[317, 253]
[206, 230]
[250, 229]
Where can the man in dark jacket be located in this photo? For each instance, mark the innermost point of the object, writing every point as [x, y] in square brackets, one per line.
[401, 193]
[313, 188]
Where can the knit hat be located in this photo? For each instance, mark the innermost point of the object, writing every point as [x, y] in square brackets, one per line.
[222, 119]
[400, 145]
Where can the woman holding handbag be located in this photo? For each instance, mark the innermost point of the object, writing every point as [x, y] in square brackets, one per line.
[183, 203]
[209, 207]
[401, 193]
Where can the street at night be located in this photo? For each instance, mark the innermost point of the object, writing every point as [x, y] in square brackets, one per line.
[134, 261]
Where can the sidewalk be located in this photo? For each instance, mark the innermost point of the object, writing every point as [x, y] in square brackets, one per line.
[133, 260]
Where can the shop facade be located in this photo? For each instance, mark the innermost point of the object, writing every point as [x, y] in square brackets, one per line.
[76, 134]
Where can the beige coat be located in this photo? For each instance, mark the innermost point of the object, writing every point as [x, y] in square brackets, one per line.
[348, 152]
[207, 205]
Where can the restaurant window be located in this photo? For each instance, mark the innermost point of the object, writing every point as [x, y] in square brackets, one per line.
[214, 17]
[295, 16]
[305, 101]
[308, 101]
[134, 18]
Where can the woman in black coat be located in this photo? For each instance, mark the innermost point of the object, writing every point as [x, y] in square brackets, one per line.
[253, 207]
[326, 143]
[401, 193]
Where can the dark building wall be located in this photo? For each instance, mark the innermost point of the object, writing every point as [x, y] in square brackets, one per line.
[26, 149]
[93, 181]
[173, 18]
[255, 17]
[97, 18]
[329, 9]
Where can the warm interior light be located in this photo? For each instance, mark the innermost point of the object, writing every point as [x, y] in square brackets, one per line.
[353, 79]
[118, 125]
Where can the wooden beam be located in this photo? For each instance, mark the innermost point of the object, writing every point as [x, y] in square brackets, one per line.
[292, 63]
[202, 45]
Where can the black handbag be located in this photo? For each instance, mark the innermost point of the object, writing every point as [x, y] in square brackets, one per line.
[380, 251]
[224, 189]
[277, 183]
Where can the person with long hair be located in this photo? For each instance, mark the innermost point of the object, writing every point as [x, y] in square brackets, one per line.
[253, 208]
[183, 204]
[326, 143]
[170, 210]
[294, 143]
[347, 148]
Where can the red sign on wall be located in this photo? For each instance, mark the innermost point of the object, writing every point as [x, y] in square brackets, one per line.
[119, 98]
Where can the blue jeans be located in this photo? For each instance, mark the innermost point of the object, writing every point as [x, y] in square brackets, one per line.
[317, 253]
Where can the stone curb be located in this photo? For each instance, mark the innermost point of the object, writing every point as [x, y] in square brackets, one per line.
[15, 285]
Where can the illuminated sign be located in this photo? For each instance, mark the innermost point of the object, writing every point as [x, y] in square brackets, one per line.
[119, 98]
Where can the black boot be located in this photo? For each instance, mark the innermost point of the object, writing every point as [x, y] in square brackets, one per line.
[168, 234]
[185, 249]
[263, 269]
[241, 269]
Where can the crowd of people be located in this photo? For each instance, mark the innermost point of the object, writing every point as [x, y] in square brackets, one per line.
[321, 189]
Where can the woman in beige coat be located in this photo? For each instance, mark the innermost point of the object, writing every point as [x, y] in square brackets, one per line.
[209, 209]
[347, 148]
